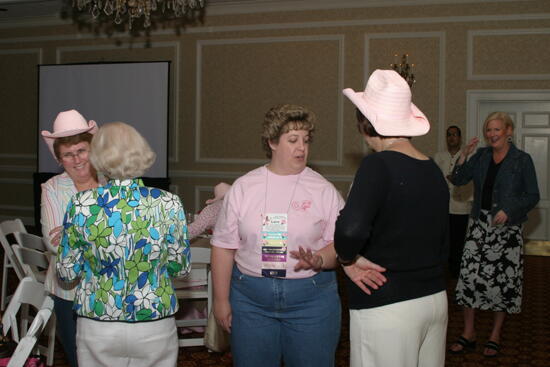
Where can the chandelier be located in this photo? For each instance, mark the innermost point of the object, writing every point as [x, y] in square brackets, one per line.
[404, 69]
[135, 9]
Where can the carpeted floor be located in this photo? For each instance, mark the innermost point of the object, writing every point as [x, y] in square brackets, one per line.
[525, 340]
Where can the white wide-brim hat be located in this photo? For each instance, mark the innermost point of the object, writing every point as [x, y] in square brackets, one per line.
[386, 103]
[68, 123]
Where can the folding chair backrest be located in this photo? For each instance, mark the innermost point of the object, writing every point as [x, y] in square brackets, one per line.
[35, 263]
[30, 292]
[29, 240]
[9, 227]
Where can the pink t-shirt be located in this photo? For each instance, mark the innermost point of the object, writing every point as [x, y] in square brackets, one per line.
[312, 204]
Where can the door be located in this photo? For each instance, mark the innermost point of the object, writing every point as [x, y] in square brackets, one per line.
[530, 111]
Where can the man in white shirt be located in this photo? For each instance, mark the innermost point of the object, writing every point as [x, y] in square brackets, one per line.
[460, 199]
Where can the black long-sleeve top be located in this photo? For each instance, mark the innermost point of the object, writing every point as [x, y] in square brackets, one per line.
[396, 215]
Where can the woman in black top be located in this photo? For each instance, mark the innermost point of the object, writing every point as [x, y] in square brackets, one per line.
[505, 189]
[396, 216]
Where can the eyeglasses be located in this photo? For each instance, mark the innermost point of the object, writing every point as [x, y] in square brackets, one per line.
[70, 156]
[453, 134]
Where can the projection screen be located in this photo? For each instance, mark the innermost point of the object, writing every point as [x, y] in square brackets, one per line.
[135, 93]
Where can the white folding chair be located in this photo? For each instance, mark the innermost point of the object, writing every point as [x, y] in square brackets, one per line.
[195, 286]
[32, 254]
[10, 261]
[35, 263]
[30, 292]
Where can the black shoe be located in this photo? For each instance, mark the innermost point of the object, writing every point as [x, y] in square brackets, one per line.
[467, 345]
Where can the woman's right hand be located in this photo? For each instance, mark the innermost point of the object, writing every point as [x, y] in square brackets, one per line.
[470, 147]
[366, 273]
[222, 314]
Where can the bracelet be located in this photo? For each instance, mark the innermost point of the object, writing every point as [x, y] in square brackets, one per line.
[344, 262]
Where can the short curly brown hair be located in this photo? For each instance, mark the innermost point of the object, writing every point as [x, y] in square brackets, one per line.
[283, 118]
[70, 141]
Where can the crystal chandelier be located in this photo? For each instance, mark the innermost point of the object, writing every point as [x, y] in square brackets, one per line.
[135, 9]
[404, 69]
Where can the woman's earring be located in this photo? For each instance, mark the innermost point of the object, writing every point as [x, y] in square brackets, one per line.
[510, 139]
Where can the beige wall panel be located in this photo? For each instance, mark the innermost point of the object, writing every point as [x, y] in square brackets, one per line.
[19, 101]
[511, 54]
[424, 54]
[240, 81]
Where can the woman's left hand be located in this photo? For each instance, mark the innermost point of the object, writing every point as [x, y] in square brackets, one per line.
[307, 260]
[365, 274]
[500, 218]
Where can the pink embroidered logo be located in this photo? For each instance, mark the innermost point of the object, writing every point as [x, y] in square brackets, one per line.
[301, 206]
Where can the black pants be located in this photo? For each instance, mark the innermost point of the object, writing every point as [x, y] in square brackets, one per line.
[457, 232]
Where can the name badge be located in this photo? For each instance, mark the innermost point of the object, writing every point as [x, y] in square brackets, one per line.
[274, 245]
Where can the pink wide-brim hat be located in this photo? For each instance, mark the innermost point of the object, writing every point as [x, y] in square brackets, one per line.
[386, 103]
[68, 123]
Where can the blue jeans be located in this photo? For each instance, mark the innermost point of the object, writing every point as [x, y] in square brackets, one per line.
[294, 320]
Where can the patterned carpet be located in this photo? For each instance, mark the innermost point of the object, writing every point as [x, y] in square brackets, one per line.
[525, 340]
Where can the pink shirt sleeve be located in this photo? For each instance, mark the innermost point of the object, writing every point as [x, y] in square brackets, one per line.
[206, 219]
[226, 232]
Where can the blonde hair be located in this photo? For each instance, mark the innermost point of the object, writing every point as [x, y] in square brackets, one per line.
[502, 116]
[120, 152]
[283, 118]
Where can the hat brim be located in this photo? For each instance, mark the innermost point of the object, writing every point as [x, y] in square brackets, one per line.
[49, 137]
[416, 124]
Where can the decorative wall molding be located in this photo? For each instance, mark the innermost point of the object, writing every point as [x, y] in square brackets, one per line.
[28, 221]
[281, 26]
[197, 197]
[16, 181]
[17, 156]
[173, 129]
[19, 208]
[500, 32]
[442, 72]
[474, 97]
[18, 51]
[180, 174]
[14, 168]
[263, 6]
[340, 118]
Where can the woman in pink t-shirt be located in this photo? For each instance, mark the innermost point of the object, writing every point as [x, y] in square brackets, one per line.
[275, 310]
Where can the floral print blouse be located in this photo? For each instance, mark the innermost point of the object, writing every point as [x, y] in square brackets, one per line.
[125, 241]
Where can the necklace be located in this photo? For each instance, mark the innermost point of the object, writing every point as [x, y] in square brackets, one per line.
[392, 143]
[291, 197]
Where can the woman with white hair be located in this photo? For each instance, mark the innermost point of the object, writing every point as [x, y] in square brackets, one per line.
[395, 216]
[124, 242]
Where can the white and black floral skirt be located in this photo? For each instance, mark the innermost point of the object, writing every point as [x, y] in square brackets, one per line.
[491, 271]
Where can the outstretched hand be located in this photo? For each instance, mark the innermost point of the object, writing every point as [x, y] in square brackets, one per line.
[365, 273]
[307, 260]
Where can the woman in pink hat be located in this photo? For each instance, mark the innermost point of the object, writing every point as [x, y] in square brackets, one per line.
[70, 144]
[395, 216]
